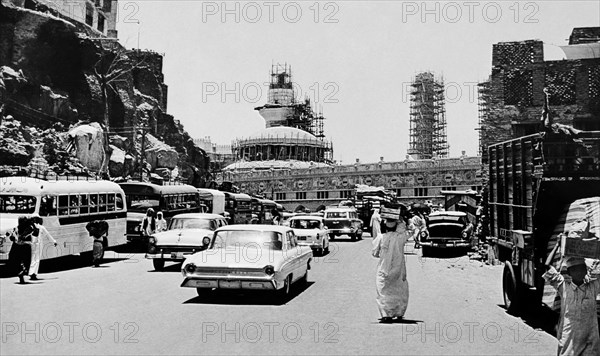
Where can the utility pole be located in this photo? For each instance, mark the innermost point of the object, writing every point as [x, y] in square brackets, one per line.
[141, 160]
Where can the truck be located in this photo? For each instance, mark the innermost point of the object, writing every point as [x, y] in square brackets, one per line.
[538, 185]
[367, 198]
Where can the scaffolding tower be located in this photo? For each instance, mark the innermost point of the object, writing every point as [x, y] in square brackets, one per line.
[428, 137]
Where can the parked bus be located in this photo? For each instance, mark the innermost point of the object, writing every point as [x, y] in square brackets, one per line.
[65, 206]
[239, 207]
[170, 199]
[213, 199]
[263, 209]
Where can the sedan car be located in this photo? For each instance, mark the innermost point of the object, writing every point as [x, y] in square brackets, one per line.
[249, 257]
[187, 233]
[343, 221]
[448, 229]
[311, 231]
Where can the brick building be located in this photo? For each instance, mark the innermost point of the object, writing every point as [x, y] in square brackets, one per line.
[511, 100]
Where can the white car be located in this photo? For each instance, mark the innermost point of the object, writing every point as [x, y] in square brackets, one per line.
[311, 231]
[187, 234]
[249, 257]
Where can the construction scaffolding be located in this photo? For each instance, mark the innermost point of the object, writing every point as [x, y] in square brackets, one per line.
[428, 137]
[281, 88]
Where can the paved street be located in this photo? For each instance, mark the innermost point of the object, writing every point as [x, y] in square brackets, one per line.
[125, 307]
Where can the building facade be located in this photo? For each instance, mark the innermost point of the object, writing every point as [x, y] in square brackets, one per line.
[98, 15]
[412, 180]
[512, 99]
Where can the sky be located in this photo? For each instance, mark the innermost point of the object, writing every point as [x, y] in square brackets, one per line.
[354, 59]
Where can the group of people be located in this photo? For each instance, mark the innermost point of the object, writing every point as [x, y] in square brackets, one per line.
[416, 225]
[28, 238]
[153, 222]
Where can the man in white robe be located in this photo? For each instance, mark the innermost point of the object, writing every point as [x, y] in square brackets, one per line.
[36, 246]
[391, 283]
[375, 223]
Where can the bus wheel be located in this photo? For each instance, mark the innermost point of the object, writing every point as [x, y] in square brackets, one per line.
[510, 288]
[159, 264]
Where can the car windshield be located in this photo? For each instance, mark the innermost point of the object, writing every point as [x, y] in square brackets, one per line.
[336, 215]
[270, 239]
[304, 224]
[17, 204]
[191, 223]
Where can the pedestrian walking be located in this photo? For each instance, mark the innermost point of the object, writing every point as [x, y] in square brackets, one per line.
[20, 252]
[578, 324]
[391, 282]
[149, 223]
[375, 223]
[98, 230]
[40, 234]
[161, 223]
[417, 225]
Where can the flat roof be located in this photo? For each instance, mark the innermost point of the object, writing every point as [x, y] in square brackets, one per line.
[34, 186]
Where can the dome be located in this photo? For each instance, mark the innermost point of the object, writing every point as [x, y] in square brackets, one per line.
[273, 165]
[283, 135]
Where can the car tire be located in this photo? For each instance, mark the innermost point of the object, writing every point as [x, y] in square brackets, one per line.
[359, 233]
[304, 280]
[326, 249]
[332, 237]
[284, 292]
[426, 251]
[511, 289]
[158, 264]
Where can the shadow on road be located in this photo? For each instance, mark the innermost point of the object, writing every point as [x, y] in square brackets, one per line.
[537, 317]
[445, 252]
[60, 264]
[247, 297]
[401, 321]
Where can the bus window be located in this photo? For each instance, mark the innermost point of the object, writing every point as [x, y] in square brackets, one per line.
[119, 202]
[48, 206]
[73, 204]
[84, 204]
[102, 202]
[111, 202]
[93, 203]
[17, 204]
[63, 205]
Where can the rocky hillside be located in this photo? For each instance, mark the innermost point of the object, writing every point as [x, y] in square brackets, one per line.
[55, 75]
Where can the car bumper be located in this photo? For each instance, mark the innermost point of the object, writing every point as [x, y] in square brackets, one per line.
[342, 231]
[446, 244]
[230, 282]
[314, 245]
[170, 256]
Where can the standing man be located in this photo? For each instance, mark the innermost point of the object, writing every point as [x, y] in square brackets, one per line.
[39, 235]
[149, 223]
[161, 223]
[98, 230]
[375, 223]
[20, 252]
[391, 283]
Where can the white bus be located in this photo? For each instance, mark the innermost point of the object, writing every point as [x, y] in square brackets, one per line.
[66, 206]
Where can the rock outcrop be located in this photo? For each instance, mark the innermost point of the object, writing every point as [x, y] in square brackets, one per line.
[53, 71]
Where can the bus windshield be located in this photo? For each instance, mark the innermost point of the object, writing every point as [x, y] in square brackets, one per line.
[141, 203]
[259, 239]
[17, 204]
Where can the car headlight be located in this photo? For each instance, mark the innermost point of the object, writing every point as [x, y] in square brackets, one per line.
[205, 240]
[464, 235]
[152, 240]
[423, 234]
[190, 268]
[270, 270]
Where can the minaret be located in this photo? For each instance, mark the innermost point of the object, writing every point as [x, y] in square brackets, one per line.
[280, 100]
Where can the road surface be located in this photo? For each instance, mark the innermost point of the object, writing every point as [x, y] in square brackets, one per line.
[126, 308]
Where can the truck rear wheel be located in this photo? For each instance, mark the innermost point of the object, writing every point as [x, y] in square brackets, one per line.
[510, 288]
